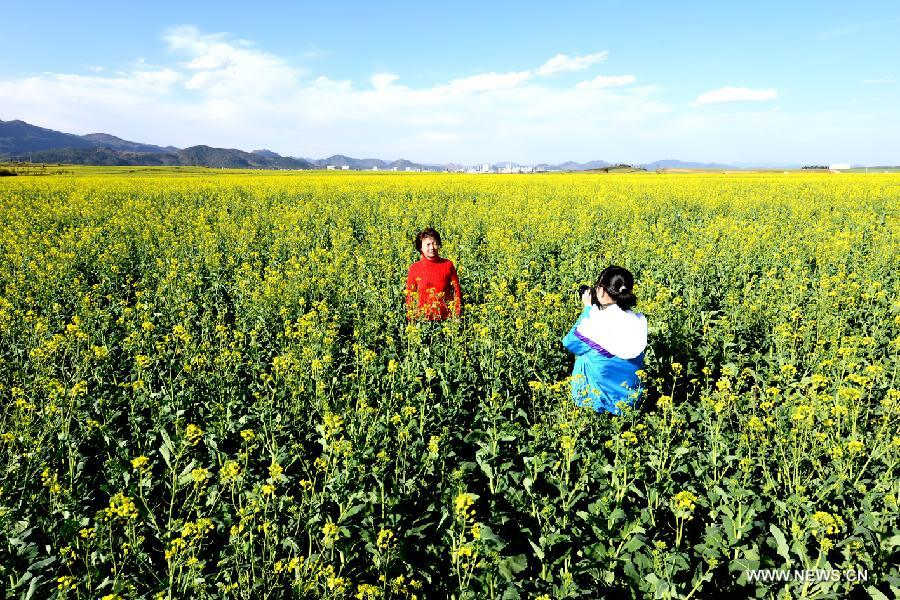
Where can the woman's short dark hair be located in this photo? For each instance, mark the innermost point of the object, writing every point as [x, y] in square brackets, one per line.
[619, 284]
[427, 232]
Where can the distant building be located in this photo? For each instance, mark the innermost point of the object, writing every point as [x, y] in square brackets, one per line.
[839, 166]
[330, 167]
[375, 168]
[485, 168]
[515, 168]
[409, 169]
[345, 167]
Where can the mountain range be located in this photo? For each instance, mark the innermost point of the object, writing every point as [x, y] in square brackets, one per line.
[25, 142]
[22, 141]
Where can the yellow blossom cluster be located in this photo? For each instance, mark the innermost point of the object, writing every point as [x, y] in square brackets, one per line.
[193, 434]
[121, 506]
[684, 501]
[257, 319]
[462, 505]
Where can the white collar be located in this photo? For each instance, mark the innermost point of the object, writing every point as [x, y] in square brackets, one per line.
[621, 333]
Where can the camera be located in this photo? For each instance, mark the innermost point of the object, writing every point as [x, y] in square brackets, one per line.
[583, 288]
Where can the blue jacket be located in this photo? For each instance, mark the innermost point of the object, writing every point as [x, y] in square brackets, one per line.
[600, 378]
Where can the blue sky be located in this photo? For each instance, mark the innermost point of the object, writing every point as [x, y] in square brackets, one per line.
[468, 82]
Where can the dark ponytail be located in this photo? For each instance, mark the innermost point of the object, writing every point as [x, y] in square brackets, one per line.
[619, 284]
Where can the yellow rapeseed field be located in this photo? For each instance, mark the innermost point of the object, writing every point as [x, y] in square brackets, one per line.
[210, 389]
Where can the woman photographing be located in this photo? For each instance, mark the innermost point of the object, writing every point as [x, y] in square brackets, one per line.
[608, 341]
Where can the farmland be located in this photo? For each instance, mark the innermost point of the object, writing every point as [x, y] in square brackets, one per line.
[210, 388]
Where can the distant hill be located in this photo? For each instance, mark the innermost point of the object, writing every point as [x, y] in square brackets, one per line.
[680, 164]
[197, 156]
[365, 164]
[22, 141]
[238, 159]
[114, 143]
[403, 164]
[339, 160]
[19, 138]
[618, 168]
[573, 166]
[99, 156]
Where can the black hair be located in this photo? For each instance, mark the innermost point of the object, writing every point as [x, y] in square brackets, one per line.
[427, 232]
[618, 282]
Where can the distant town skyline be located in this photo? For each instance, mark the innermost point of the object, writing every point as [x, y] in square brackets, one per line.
[468, 83]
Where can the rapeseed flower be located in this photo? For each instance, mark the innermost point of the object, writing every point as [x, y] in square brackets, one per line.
[121, 506]
[385, 539]
[193, 434]
[462, 505]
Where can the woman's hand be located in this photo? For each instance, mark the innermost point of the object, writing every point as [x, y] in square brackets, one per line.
[586, 297]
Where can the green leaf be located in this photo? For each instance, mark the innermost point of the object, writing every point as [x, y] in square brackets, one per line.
[537, 551]
[350, 512]
[167, 441]
[633, 543]
[185, 475]
[728, 522]
[616, 515]
[31, 588]
[487, 534]
[511, 565]
[485, 467]
[164, 452]
[783, 550]
[631, 572]
[875, 593]
[41, 564]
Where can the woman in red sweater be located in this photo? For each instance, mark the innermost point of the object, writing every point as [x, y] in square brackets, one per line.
[433, 281]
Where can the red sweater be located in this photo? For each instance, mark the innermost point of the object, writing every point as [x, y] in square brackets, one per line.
[437, 286]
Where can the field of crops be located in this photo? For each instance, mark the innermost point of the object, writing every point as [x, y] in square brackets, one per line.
[210, 389]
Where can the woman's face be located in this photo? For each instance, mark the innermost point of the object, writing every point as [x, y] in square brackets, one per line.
[430, 248]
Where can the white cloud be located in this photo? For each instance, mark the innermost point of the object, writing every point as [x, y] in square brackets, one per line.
[133, 87]
[606, 81]
[383, 80]
[226, 92]
[227, 68]
[223, 91]
[564, 62]
[735, 94]
[163, 79]
[486, 82]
